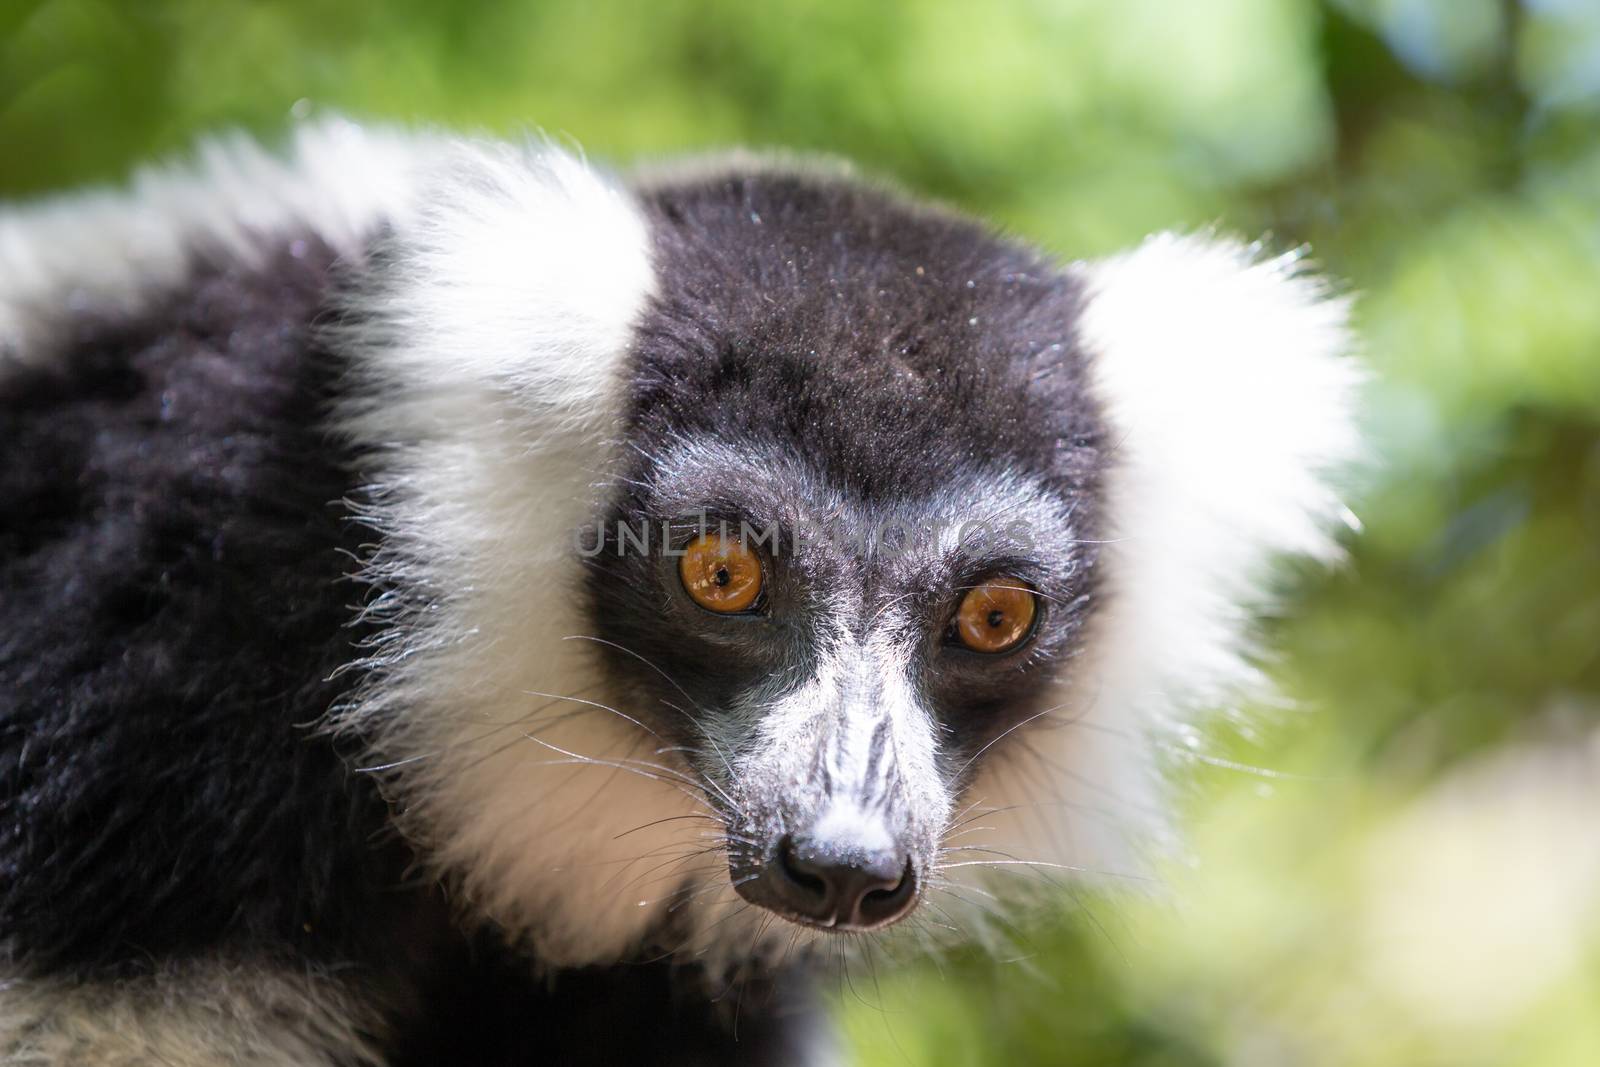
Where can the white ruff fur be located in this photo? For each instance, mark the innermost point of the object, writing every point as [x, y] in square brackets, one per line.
[1230, 398]
[492, 349]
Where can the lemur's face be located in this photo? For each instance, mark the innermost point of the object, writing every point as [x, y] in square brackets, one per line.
[853, 542]
[758, 543]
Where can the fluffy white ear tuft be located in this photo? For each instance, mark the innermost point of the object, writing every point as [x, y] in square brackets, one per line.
[1230, 396]
[490, 341]
[521, 272]
[1226, 379]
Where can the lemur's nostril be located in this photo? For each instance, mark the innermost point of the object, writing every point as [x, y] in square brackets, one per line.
[881, 906]
[796, 870]
[826, 885]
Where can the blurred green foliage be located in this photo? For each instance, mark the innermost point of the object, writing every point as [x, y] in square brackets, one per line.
[1412, 877]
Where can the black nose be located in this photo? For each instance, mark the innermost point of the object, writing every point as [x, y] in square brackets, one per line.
[846, 889]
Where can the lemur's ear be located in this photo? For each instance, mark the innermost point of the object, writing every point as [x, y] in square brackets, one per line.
[1227, 381]
[521, 270]
[1229, 394]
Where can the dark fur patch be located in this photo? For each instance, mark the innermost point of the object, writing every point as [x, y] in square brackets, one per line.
[484, 1010]
[170, 566]
[891, 344]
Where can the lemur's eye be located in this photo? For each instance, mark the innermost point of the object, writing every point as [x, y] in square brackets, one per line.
[995, 616]
[720, 573]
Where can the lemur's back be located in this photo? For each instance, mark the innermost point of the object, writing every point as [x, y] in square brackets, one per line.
[172, 525]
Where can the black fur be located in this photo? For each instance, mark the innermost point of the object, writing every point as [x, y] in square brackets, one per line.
[170, 567]
[893, 345]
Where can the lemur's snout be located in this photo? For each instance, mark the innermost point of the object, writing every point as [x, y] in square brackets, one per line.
[833, 883]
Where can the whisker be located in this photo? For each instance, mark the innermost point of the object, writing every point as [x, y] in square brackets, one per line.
[630, 652]
[1003, 736]
[669, 818]
[596, 704]
[1043, 864]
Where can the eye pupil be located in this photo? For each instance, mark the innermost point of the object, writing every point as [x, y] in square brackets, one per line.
[995, 616]
[720, 574]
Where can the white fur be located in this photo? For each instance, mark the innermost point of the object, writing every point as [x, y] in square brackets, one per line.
[1226, 379]
[110, 250]
[197, 1015]
[491, 348]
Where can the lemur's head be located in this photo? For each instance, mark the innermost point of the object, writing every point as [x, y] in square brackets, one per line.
[862, 449]
[757, 542]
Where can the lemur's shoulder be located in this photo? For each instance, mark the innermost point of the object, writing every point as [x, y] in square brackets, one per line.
[170, 561]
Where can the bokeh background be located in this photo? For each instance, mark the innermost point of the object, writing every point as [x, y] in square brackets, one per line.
[1400, 866]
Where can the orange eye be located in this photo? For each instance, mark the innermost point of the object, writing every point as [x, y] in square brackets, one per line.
[995, 616]
[720, 574]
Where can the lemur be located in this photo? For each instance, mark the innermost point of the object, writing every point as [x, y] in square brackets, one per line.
[460, 604]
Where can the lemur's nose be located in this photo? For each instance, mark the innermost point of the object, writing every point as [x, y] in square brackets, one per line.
[846, 888]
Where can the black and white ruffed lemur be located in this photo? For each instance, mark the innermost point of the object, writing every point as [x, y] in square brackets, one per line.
[458, 605]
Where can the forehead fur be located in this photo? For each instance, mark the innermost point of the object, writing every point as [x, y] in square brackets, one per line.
[890, 343]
